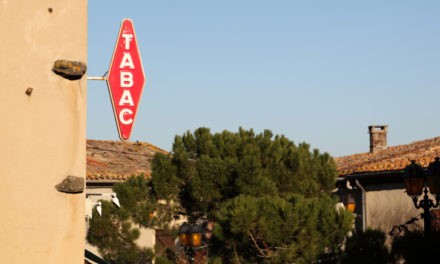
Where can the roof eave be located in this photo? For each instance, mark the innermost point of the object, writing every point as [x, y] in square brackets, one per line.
[374, 177]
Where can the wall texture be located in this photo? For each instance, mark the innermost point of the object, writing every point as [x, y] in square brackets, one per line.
[388, 206]
[43, 132]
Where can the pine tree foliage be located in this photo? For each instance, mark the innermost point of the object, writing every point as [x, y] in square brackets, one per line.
[114, 235]
[115, 232]
[270, 198]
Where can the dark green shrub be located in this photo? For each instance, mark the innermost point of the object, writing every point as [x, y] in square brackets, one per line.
[366, 247]
[415, 248]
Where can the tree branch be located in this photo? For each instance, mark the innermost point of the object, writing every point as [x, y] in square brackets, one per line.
[236, 256]
[262, 254]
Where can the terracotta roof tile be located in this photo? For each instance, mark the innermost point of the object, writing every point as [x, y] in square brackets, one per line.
[394, 158]
[113, 161]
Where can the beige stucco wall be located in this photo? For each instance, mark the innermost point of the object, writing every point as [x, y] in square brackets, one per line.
[147, 238]
[42, 136]
[387, 207]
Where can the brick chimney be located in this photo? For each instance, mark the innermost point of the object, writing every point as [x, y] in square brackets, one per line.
[378, 137]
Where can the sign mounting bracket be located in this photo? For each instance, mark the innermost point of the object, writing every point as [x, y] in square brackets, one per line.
[98, 78]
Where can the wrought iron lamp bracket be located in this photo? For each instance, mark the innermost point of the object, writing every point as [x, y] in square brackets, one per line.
[425, 202]
[415, 199]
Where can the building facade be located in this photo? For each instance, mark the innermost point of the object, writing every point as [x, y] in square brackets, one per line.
[375, 180]
[43, 135]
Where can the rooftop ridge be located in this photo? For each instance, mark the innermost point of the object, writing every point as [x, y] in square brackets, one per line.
[392, 158]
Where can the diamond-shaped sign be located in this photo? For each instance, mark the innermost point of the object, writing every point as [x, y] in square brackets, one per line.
[126, 79]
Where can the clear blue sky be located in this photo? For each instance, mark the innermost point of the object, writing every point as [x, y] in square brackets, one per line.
[318, 72]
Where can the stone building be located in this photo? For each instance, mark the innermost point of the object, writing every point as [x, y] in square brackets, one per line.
[375, 181]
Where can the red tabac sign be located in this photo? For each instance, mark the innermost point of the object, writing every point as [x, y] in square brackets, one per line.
[126, 79]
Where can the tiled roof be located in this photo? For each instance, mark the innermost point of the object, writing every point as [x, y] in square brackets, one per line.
[112, 161]
[393, 158]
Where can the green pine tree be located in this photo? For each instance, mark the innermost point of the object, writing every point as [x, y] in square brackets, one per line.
[271, 200]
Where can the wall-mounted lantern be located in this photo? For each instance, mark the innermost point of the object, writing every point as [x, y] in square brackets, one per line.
[417, 181]
[350, 205]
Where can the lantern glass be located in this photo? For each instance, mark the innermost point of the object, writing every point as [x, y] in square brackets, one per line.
[351, 206]
[434, 184]
[414, 179]
[414, 186]
[184, 234]
[184, 239]
[434, 177]
[196, 239]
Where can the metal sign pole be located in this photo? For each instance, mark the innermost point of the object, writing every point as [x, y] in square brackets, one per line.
[101, 78]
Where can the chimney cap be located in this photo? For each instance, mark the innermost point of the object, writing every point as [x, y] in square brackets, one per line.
[377, 127]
